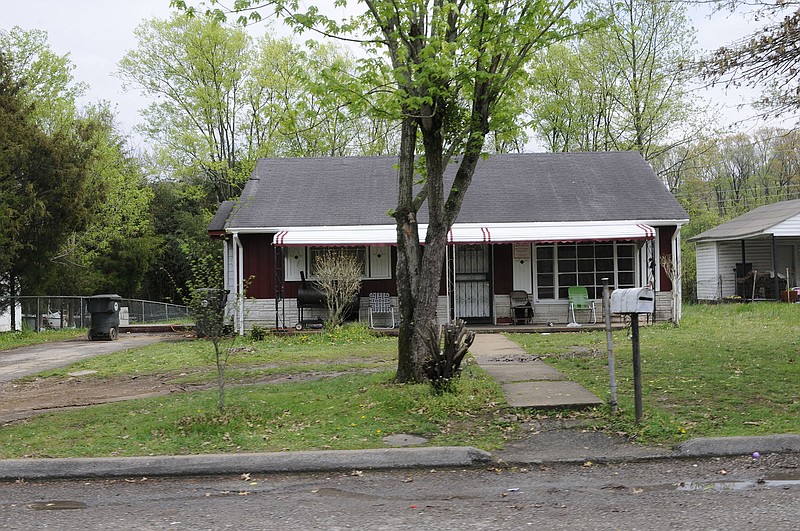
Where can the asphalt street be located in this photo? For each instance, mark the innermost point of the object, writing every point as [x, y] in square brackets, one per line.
[545, 445]
[706, 493]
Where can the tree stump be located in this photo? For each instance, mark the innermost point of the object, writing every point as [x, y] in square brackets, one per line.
[443, 364]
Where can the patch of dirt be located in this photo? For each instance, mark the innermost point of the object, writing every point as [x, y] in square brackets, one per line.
[514, 358]
[579, 353]
[24, 399]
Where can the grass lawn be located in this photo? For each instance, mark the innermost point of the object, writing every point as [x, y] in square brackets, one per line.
[24, 338]
[730, 369]
[192, 361]
[350, 411]
[727, 370]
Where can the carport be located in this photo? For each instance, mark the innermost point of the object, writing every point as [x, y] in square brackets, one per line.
[753, 256]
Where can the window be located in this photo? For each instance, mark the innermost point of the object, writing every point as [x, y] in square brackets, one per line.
[314, 253]
[376, 261]
[562, 265]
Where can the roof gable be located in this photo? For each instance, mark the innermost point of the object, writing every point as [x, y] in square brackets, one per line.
[781, 219]
[507, 188]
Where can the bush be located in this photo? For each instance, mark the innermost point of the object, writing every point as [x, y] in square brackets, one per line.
[258, 333]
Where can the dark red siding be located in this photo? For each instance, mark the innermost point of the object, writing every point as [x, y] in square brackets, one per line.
[503, 275]
[259, 268]
[665, 249]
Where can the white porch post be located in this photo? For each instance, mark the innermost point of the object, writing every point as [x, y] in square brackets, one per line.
[677, 285]
[238, 265]
[447, 282]
[657, 264]
[226, 282]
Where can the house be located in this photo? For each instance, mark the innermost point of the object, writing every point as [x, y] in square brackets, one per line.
[537, 222]
[753, 256]
[5, 318]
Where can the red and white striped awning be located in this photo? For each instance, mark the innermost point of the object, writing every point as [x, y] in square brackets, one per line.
[470, 233]
[338, 236]
[567, 232]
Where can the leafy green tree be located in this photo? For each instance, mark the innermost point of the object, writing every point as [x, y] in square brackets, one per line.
[195, 69]
[18, 139]
[61, 199]
[113, 252]
[85, 201]
[622, 87]
[450, 65]
[566, 108]
[180, 220]
[225, 99]
[49, 87]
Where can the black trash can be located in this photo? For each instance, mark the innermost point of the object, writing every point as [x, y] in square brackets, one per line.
[104, 310]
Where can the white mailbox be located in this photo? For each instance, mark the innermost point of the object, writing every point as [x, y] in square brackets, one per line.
[633, 300]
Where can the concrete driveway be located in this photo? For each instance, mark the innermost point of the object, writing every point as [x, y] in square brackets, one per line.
[24, 361]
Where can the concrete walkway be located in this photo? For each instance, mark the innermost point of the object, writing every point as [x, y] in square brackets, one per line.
[526, 380]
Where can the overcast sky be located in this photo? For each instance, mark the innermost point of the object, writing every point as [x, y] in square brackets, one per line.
[97, 33]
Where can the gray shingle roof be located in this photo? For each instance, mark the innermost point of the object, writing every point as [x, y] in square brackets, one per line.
[507, 188]
[754, 223]
[221, 217]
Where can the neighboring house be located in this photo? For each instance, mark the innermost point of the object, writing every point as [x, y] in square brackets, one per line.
[753, 256]
[5, 319]
[538, 222]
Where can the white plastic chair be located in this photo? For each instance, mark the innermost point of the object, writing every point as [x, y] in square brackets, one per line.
[380, 304]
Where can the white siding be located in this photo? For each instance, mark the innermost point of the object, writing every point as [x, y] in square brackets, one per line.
[716, 264]
[790, 227]
[230, 272]
[707, 271]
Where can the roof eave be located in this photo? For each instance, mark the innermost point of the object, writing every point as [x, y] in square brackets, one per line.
[737, 237]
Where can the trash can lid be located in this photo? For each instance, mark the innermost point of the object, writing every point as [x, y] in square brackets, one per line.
[112, 296]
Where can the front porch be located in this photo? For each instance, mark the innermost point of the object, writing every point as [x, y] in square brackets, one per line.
[548, 317]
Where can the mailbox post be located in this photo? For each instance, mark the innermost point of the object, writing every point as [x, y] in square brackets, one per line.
[607, 317]
[633, 301]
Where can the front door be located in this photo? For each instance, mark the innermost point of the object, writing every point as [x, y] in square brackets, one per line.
[473, 292]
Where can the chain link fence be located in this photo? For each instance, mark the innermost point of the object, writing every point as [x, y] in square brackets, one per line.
[46, 313]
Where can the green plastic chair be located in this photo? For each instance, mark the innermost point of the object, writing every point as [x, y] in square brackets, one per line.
[579, 300]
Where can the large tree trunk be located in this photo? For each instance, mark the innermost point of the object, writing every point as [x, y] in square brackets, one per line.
[432, 262]
[408, 252]
[419, 273]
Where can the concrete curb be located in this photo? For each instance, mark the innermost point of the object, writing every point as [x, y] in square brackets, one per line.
[223, 464]
[727, 446]
[378, 459]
